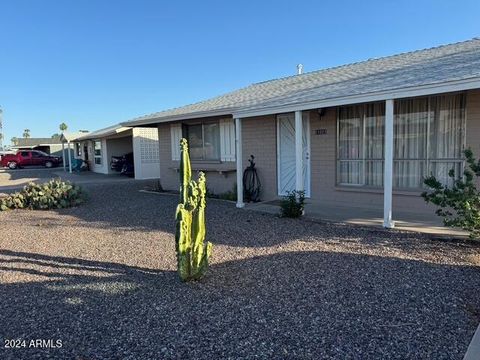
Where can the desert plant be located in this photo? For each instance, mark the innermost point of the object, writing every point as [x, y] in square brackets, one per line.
[293, 204]
[54, 194]
[192, 250]
[459, 204]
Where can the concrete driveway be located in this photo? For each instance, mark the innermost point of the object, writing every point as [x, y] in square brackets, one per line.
[15, 179]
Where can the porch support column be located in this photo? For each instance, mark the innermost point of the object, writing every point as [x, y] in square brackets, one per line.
[69, 158]
[63, 156]
[238, 152]
[388, 171]
[298, 151]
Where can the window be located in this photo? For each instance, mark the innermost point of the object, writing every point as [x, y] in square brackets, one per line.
[204, 141]
[38, 153]
[428, 139]
[97, 152]
[78, 149]
[360, 144]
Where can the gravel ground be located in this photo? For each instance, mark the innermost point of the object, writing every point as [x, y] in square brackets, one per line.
[101, 278]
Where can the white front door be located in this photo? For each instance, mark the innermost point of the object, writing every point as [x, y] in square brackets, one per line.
[286, 153]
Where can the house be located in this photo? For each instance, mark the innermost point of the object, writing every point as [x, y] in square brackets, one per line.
[363, 134]
[98, 147]
[52, 146]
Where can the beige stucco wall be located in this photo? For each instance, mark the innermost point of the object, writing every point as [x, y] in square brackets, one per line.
[260, 140]
[216, 182]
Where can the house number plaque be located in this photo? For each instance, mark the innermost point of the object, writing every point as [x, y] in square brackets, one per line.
[321, 132]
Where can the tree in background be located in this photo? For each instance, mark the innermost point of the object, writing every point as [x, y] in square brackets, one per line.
[14, 140]
[63, 127]
[26, 133]
[55, 135]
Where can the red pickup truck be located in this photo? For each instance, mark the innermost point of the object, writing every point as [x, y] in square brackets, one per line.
[30, 158]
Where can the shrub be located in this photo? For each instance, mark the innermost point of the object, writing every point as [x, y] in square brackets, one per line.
[54, 194]
[293, 204]
[459, 204]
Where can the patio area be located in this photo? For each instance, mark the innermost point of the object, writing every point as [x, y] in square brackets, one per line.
[366, 216]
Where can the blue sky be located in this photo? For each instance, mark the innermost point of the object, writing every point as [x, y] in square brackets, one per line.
[94, 63]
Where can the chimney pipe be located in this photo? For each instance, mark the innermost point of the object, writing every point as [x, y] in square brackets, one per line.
[299, 69]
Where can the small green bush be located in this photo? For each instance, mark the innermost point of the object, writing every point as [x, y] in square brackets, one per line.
[293, 204]
[54, 194]
[459, 204]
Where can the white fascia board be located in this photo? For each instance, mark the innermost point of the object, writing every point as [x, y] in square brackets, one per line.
[167, 119]
[101, 135]
[423, 90]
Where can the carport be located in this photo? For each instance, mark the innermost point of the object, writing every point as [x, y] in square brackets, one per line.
[98, 147]
[67, 150]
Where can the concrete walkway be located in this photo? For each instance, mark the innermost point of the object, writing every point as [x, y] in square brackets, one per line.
[410, 221]
[473, 351]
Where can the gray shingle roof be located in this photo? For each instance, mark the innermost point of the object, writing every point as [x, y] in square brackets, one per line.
[441, 64]
[38, 141]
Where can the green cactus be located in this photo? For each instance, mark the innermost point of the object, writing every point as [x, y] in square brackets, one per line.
[192, 250]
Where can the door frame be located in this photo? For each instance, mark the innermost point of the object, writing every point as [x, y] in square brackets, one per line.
[306, 118]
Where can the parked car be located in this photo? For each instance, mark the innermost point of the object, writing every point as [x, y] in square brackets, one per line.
[123, 164]
[29, 158]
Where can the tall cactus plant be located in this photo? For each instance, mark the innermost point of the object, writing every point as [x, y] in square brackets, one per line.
[192, 250]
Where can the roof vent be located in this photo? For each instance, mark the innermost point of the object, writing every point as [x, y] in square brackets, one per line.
[299, 69]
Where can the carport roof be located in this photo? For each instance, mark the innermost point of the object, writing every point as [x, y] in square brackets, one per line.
[108, 131]
[458, 62]
[66, 137]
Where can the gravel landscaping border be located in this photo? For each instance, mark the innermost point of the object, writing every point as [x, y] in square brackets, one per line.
[101, 278]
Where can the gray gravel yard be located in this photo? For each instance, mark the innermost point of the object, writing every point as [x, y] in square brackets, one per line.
[101, 278]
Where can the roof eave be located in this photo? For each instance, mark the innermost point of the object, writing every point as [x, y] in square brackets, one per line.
[187, 116]
[398, 93]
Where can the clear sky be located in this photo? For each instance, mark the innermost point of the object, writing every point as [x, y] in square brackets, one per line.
[94, 63]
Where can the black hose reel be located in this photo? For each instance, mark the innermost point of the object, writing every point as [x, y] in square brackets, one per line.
[251, 182]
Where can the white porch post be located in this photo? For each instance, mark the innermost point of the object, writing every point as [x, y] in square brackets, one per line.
[69, 158]
[298, 151]
[388, 172]
[63, 155]
[238, 150]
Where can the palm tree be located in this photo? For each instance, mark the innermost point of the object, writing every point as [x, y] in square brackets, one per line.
[63, 127]
[14, 140]
[26, 133]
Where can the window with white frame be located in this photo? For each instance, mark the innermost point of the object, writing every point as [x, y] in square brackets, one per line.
[78, 150]
[204, 141]
[360, 144]
[429, 137]
[97, 152]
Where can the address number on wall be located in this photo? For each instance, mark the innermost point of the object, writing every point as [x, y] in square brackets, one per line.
[321, 132]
